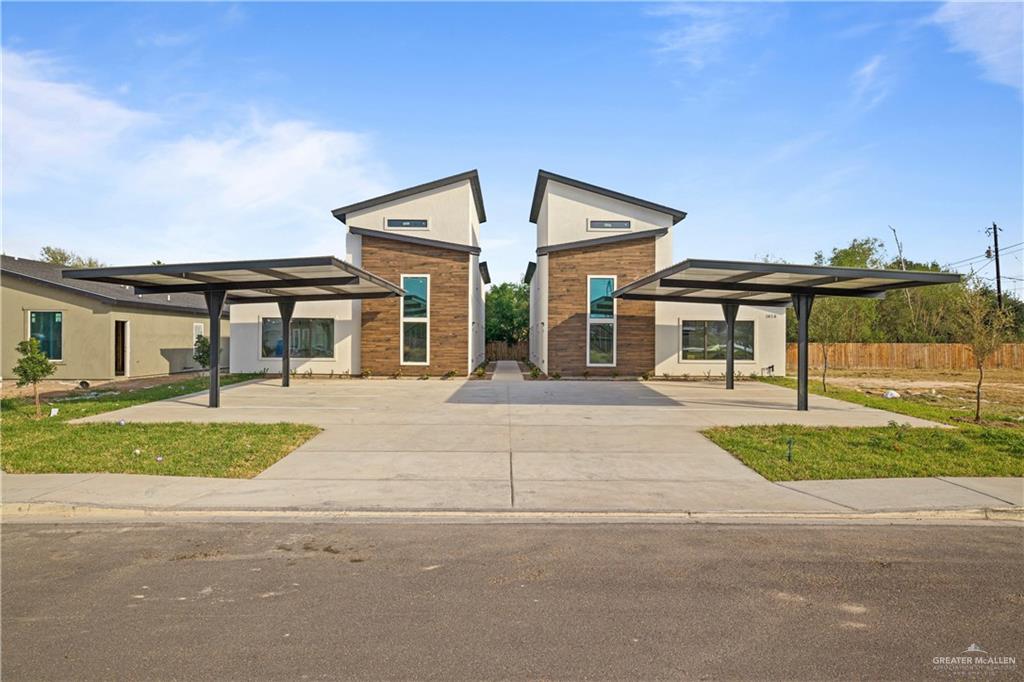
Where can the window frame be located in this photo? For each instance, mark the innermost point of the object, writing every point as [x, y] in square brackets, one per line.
[591, 228]
[28, 329]
[202, 331]
[613, 321]
[388, 227]
[679, 342]
[323, 358]
[402, 319]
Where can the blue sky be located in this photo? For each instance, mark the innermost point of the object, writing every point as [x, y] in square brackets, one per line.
[135, 132]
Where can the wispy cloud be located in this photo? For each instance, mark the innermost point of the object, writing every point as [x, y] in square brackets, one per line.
[871, 83]
[701, 33]
[131, 189]
[992, 33]
[167, 39]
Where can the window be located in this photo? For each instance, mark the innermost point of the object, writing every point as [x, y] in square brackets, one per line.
[312, 337]
[609, 225]
[708, 340]
[415, 333]
[600, 321]
[403, 224]
[197, 330]
[48, 329]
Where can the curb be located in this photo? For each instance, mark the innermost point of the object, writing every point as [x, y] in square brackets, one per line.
[55, 512]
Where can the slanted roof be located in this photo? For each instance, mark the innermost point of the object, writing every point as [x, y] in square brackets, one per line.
[769, 284]
[531, 268]
[50, 275]
[485, 273]
[316, 278]
[544, 176]
[410, 239]
[474, 183]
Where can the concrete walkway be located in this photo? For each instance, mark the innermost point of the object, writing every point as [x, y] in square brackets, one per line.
[560, 446]
[507, 370]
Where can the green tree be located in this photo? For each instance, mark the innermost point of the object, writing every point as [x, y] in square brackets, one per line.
[33, 366]
[508, 312]
[984, 326]
[201, 351]
[69, 259]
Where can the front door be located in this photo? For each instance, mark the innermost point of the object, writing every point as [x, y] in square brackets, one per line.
[120, 327]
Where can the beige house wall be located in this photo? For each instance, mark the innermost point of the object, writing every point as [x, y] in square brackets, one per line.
[158, 342]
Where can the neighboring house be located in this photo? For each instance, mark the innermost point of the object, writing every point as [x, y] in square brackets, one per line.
[590, 242]
[96, 331]
[426, 239]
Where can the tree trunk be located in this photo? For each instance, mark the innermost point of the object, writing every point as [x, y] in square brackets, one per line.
[977, 394]
[35, 389]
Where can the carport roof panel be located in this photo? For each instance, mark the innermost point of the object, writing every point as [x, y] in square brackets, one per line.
[314, 277]
[752, 283]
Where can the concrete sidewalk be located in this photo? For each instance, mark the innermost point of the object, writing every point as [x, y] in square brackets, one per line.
[168, 493]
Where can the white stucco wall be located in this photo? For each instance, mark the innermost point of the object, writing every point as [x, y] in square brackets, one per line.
[769, 339]
[476, 314]
[450, 211]
[565, 212]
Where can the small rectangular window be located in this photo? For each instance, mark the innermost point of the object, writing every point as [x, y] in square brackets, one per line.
[708, 340]
[415, 330]
[197, 330]
[311, 337]
[404, 224]
[610, 224]
[48, 329]
[600, 321]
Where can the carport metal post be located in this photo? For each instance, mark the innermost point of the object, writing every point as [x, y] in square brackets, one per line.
[802, 304]
[286, 307]
[214, 305]
[730, 310]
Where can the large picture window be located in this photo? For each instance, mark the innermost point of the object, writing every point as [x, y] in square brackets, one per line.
[600, 321]
[708, 340]
[48, 329]
[415, 334]
[312, 337]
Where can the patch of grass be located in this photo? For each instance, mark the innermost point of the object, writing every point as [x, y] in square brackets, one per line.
[873, 452]
[51, 445]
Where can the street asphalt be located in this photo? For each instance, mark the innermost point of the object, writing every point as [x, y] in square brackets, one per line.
[385, 601]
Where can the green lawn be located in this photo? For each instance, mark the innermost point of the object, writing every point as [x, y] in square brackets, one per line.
[994, 448]
[51, 445]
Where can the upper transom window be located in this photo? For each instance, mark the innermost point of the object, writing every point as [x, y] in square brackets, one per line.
[407, 224]
[610, 224]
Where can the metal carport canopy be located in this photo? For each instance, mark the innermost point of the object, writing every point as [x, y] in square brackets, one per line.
[735, 283]
[285, 281]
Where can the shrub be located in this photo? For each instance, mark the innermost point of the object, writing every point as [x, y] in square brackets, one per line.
[555, 375]
[366, 373]
[449, 374]
[535, 372]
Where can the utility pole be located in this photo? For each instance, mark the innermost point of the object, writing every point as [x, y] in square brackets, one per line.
[994, 231]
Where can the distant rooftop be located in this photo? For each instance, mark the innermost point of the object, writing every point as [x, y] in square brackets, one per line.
[48, 274]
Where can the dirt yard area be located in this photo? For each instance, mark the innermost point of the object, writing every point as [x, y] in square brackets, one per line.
[1002, 388]
[56, 388]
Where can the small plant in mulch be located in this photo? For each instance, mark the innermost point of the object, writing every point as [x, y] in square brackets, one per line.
[556, 375]
[424, 376]
[480, 372]
[397, 374]
[449, 374]
[366, 373]
[586, 374]
[535, 372]
[646, 376]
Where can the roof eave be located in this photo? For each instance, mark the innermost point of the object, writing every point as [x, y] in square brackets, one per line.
[474, 182]
[544, 176]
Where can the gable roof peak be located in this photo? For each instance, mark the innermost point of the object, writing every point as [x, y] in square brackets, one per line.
[474, 183]
[544, 176]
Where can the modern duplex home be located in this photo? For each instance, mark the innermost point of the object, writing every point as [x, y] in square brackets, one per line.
[591, 241]
[426, 239]
[96, 331]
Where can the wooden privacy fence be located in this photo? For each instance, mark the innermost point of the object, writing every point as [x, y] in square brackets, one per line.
[906, 356]
[499, 350]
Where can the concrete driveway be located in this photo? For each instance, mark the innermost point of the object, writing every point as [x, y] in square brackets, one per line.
[533, 445]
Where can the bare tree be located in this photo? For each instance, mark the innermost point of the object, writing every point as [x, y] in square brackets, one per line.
[984, 326]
